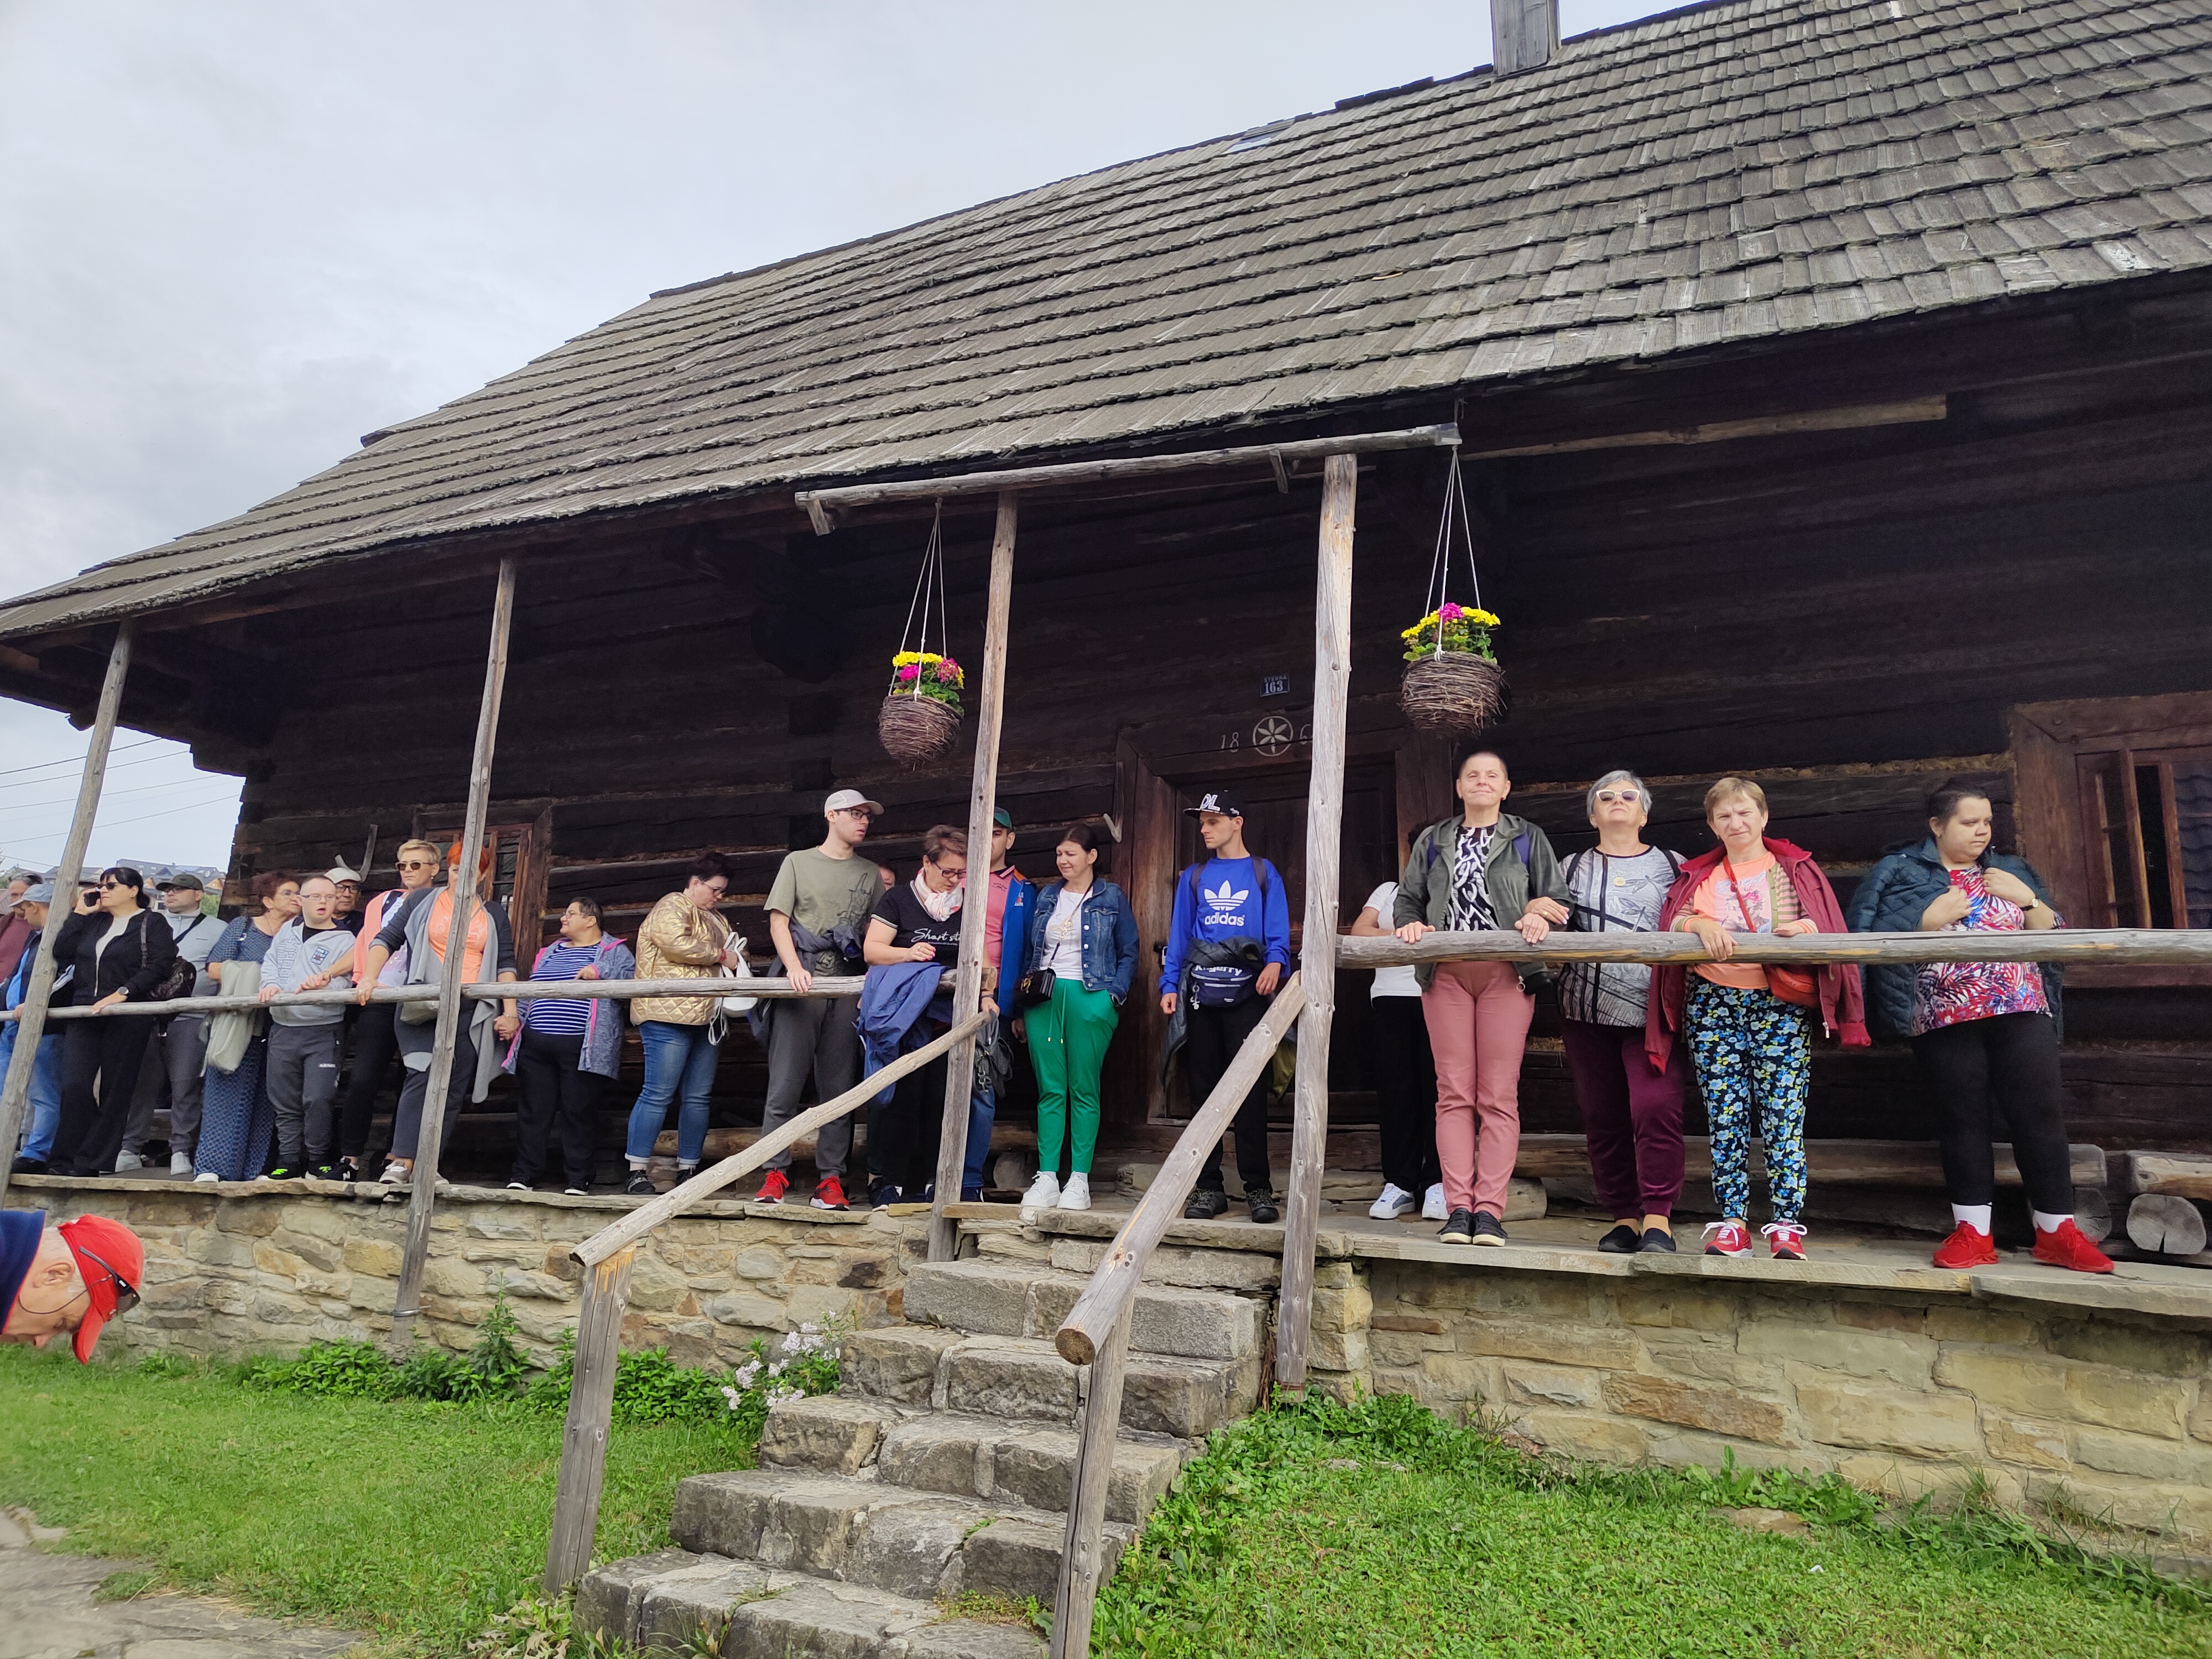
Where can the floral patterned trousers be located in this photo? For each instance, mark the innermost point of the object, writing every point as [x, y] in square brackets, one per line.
[1753, 1051]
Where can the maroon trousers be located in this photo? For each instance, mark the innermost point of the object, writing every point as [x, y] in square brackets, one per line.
[1632, 1117]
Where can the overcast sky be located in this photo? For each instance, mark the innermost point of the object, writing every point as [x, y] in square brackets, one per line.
[234, 237]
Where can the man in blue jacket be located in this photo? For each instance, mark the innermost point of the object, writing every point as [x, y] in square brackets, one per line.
[1227, 946]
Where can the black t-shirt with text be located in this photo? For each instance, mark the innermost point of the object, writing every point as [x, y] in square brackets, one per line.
[912, 925]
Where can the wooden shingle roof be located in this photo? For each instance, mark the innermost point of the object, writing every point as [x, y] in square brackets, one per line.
[1736, 171]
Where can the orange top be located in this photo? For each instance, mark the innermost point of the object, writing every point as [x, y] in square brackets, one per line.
[1750, 898]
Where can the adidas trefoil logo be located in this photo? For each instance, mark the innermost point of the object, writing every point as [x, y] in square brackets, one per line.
[1220, 897]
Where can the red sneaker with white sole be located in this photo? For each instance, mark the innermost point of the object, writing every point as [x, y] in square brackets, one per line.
[2065, 1247]
[1727, 1238]
[830, 1194]
[1785, 1240]
[1968, 1247]
[774, 1185]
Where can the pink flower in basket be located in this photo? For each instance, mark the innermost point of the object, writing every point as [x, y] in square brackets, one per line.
[907, 675]
[1449, 611]
[948, 673]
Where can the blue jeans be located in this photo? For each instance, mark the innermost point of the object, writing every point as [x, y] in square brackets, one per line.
[983, 1113]
[679, 1064]
[46, 1089]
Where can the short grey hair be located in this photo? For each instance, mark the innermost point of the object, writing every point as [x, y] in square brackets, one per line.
[1618, 775]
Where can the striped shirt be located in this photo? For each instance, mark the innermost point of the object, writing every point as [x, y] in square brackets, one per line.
[561, 1015]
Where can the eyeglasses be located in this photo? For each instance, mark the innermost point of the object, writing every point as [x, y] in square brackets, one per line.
[126, 1293]
[418, 864]
[113, 886]
[1607, 797]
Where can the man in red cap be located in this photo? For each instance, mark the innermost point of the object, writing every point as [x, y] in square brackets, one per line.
[75, 1277]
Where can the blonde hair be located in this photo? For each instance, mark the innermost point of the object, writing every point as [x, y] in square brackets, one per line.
[406, 847]
[1729, 789]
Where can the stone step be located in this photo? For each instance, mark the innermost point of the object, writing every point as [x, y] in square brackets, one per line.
[1002, 1298]
[962, 1455]
[923, 1545]
[666, 1602]
[1025, 1378]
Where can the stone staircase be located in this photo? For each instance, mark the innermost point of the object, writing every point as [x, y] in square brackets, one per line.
[942, 1467]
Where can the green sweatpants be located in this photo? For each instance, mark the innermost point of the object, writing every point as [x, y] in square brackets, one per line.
[1067, 1046]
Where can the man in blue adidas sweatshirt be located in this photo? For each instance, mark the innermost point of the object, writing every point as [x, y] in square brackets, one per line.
[1227, 948]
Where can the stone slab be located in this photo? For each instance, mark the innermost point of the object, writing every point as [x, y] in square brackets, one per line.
[826, 1434]
[822, 1620]
[607, 1597]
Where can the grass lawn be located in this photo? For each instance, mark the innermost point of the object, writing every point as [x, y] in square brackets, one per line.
[415, 1520]
[1380, 1532]
[1374, 1533]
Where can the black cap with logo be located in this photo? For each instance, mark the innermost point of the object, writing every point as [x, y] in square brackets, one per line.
[1216, 800]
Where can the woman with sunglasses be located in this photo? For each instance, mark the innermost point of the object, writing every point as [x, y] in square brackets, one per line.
[118, 951]
[1631, 1109]
[376, 1031]
[238, 1123]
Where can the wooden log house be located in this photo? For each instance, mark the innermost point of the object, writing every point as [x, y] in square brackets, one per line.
[1835, 386]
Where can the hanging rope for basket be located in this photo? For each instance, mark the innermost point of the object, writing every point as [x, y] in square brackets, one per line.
[1452, 682]
[920, 719]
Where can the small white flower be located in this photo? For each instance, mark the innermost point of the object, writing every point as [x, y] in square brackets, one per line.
[809, 1328]
[747, 1374]
[775, 1368]
[730, 1395]
[791, 1341]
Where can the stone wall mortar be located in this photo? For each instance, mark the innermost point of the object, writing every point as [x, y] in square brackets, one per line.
[1907, 1391]
[234, 1269]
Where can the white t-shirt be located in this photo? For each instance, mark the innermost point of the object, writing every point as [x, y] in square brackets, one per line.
[1063, 937]
[1400, 982]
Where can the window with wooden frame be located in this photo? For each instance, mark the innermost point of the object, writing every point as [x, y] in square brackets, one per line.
[2114, 802]
[521, 854]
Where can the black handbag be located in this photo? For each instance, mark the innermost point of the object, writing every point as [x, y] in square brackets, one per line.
[1034, 989]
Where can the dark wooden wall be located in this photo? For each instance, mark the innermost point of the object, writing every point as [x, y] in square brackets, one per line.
[1850, 616]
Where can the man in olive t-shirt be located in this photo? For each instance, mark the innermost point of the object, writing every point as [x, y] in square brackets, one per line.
[818, 889]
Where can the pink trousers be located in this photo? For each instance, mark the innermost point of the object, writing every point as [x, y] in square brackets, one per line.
[1478, 1018]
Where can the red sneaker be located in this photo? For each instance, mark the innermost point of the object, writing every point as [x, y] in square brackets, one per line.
[830, 1195]
[2065, 1247]
[1968, 1247]
[1727, 1238]
[774, 1185]
[1785, 1240]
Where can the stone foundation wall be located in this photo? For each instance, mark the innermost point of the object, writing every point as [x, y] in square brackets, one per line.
[239, 1268]
[2107, 1409]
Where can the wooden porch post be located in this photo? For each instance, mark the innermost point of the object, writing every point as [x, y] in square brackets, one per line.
[31, 1023]
[590, 1413]
[1317, 960]
[983, 799]
[421, 1202]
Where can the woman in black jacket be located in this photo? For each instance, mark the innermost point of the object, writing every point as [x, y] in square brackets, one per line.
[116, 951]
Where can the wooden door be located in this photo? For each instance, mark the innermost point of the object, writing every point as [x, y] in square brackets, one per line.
[522, 853]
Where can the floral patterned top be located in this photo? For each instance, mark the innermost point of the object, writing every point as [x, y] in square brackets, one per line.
[1948, 993]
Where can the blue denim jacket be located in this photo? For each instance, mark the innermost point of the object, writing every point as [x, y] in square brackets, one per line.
[1109, 936]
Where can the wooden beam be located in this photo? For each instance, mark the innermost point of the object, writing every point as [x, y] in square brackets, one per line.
[1084, 1333]
[1318, 964]
[819, 503]
[1082, 1546]
[678, 1199]
[423, 1199]
[31, 1025]
[983, 799]
[590, 1412]
[1908, 411]
[2192, 946]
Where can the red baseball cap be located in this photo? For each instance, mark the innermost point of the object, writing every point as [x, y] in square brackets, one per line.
[112, 1262]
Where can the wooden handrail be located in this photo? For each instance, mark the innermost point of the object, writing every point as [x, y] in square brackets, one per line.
[1096, 1332]
[678, 1199]
[520, 990]
[2179, 946]
[606, 1257]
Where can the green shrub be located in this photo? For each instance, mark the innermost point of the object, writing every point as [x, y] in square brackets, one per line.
[343, 1370]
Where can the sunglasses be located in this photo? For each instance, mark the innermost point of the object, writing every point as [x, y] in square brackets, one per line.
[126, 1293]
[1609, 796]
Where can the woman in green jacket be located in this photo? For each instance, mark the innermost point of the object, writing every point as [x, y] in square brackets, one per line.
[1484, 870]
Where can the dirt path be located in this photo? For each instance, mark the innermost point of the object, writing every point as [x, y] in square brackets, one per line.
[47, 1612]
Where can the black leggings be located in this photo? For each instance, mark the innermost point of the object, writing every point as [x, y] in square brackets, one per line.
[1405, 1093]
[91, 1130]
[2007, 1062]
[375, 1046]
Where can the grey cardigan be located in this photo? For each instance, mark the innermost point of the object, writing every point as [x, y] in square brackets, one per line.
[1521, 867]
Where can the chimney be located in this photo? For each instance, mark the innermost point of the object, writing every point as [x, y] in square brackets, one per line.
[1524, 34]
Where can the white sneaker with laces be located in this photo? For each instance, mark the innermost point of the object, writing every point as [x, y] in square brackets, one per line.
[181, 1163]
[1395, 1202]
[1044, 1195]
[1432, 1204]
[1076, 1196]
[205, 1177]
[125, 1162]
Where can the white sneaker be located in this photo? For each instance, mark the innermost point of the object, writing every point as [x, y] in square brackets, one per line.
[1076, 1196]
[396, 1174]
[205, 1177]
[181, 1163]
[126, 1162]
[1395, 1202]
[1044, 1195]
[1432, 1204]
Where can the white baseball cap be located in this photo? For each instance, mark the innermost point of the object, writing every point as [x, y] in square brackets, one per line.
[845, 799]
[339, 872]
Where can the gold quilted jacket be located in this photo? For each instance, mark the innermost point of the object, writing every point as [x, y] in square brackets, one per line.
[678, 941]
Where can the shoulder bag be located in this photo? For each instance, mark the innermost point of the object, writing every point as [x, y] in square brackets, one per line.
[1794, 985]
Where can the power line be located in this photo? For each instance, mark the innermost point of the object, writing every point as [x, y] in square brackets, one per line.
[104, 794]
[189, 806]
[118, 748]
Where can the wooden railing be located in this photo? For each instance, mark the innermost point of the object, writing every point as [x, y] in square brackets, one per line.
[1096, 1332]
[2059, 944]
[606, 1258]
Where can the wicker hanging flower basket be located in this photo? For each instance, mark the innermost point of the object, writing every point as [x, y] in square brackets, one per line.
[1454, 691]
[917, 730]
